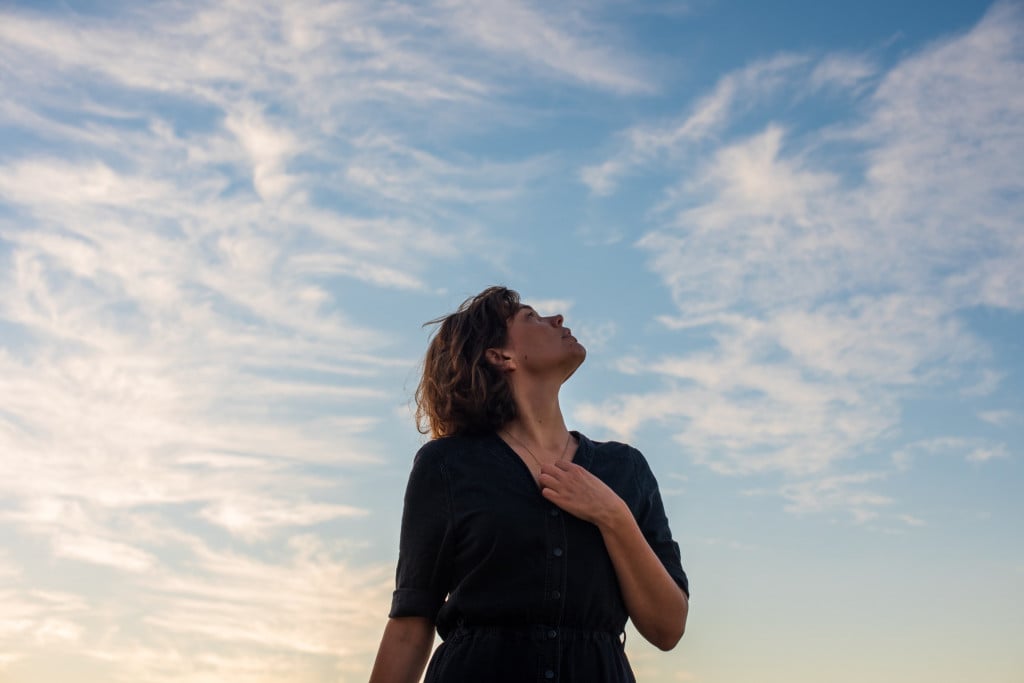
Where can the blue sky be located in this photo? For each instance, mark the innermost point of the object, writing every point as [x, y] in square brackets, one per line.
[789, 234]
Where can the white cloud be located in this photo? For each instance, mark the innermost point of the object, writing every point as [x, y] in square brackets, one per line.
[225, 610]
[910, 520]
[252, 518]
[269, 149]
[397, 172]
[998, 417]
[42, 182]
[198, 198]
[970, 449]
[550, 306]
[842, 492]
[846, 72]
[829, 300]
[178, 354]
[985, 454]
[595, 336]
[734, 92]
[102, 551]
[798, 392]
[556, 43]
[44, 620]
[985, 384]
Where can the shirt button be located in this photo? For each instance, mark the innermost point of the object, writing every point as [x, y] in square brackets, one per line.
[549, 674]
[554, 512]
[556, 595]
[557, 552]
[552, 633]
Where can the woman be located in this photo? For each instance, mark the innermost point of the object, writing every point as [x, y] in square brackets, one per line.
[526, 545]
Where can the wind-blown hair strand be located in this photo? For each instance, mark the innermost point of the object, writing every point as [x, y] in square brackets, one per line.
[460, 391]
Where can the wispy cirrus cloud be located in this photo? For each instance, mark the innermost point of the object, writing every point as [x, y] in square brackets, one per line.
[821, 276]
[208, 614]
[647, 144]
[975, 449]
[998, 417]
[843, 493]
[846, 72]
[563, 45]
[203, 205]
[196, 200]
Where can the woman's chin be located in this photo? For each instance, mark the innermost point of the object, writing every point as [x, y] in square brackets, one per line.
[577, 361]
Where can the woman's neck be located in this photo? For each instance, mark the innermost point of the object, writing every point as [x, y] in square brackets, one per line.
[539, 421]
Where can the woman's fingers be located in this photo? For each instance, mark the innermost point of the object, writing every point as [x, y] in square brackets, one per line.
[576, 490]
[558, 476]
[558, 468]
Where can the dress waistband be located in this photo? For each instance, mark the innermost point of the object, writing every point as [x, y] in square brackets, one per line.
[538, 632]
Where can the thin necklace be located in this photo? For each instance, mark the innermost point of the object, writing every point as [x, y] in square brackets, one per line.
[565, 449]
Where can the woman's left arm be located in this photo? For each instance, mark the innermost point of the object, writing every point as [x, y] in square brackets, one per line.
[655, 603]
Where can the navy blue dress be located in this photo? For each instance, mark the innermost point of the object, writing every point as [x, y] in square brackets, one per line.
[519, 589]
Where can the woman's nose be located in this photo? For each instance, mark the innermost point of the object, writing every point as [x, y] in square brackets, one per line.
[557, 319]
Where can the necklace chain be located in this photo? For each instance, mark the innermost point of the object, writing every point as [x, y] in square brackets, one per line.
[565, 449]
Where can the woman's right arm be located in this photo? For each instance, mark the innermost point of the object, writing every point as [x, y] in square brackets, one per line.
[404, 649]
[423, 576]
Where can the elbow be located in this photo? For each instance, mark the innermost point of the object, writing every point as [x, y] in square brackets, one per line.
[665, 628]
[667, 637]
[668, 640]
[670, 636]
[666, 645]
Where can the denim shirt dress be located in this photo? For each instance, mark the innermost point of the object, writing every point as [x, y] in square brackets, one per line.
[518, 589]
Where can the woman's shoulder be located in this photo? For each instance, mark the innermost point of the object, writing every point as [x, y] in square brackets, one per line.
[616, 454]
[614, 449]
[444, 447]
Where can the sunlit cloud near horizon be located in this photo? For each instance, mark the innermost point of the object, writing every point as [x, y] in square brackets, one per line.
[790, 240]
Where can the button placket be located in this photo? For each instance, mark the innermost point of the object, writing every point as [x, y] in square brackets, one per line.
[555, 534]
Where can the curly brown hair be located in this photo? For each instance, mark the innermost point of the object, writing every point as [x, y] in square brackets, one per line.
[461, 392]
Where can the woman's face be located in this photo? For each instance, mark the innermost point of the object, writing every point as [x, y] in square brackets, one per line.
[540, 345]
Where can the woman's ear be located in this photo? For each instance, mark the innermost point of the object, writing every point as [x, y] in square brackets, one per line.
[499, 359]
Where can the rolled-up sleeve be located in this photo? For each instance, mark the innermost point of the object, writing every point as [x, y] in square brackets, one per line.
[653, 523]
[423, 577]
